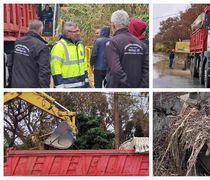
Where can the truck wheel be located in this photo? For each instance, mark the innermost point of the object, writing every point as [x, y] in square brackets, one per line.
[201, 73]
[206, 77]
[193, 68]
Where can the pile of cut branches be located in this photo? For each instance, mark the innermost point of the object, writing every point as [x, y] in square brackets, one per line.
[186, 136]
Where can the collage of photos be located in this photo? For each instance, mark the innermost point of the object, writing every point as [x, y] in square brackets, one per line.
[101, 89]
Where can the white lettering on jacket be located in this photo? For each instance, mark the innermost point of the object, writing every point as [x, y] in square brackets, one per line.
[22, 49]
[133, 49]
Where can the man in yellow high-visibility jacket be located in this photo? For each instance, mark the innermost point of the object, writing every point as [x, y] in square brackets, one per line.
[68, 68]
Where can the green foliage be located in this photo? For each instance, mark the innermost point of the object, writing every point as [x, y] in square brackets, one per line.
[141, 123]
[93, 126]
[139, 126]
[158, 47]
[128, 130]
[138, 132]
[135, 121]
[92, 16]
[91, 135]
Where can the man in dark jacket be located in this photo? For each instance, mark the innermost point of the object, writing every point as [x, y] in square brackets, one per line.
[171, 59]
[97, 58]
[47, 14]
[126, 56]
[47, 18]
[31, 61]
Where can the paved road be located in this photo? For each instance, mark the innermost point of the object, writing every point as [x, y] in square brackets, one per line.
[163, 77]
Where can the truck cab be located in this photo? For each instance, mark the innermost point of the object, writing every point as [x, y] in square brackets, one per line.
[49, 14]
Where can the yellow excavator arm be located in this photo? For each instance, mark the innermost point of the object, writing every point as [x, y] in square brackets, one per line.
[45, 103]
[49, 105]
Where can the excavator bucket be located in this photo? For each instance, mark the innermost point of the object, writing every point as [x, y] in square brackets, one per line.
[61, 138]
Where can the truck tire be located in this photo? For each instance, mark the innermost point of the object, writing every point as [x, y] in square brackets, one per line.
[193, 71]
[207, 76]
[201, 73]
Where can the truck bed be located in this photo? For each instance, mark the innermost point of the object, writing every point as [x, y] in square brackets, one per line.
[16, 19]
[76, 163]
[198, 41]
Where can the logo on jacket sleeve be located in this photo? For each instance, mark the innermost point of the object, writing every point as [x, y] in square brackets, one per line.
[22, 49]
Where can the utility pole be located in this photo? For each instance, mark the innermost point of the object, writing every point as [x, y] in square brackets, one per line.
[117, 122]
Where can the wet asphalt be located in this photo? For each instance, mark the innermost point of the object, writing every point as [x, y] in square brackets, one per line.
[163, 77]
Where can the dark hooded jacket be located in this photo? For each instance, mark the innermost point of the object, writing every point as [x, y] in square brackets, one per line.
[46, 15]
[98, 53]
[128, 61]
[31, 62]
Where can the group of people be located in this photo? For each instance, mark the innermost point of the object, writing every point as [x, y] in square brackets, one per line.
[121, 61]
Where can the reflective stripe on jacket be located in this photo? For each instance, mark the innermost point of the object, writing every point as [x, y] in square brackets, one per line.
[67, 61]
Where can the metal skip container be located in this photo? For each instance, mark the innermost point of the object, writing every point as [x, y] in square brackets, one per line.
[76, 163]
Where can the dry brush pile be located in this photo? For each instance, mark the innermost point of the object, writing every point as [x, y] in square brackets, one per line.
[188, 131]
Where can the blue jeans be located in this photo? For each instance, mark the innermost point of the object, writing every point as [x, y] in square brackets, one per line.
[171, 60]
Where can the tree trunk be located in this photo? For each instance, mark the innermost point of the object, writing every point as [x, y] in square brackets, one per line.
[117, 123]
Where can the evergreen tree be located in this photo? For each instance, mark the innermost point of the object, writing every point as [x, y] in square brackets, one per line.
[91, 135]
[138, 131]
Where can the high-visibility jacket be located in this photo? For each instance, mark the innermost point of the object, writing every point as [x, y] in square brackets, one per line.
[68, 68]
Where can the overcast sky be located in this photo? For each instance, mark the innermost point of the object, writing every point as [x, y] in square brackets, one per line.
[163, 11]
